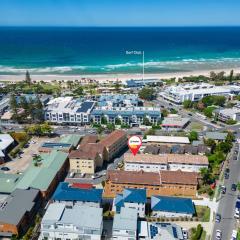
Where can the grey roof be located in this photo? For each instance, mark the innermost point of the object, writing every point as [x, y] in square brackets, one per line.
[126, 219]
[16, 205]
[175, 121]
[81, 216]
[5, 141]
[216, 135]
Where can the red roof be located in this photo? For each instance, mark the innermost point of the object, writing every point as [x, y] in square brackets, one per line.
[82, 185]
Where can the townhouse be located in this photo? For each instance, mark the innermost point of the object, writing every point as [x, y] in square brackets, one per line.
[172, 162]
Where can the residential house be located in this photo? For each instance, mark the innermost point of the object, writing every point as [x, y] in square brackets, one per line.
[131, 198]
[164, 206]
[6, 142]
[71, 195]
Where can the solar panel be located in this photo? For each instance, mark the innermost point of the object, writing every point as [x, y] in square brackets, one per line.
[85, 106]
[174, 232]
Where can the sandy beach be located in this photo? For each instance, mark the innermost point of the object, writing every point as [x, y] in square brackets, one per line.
[111, 77]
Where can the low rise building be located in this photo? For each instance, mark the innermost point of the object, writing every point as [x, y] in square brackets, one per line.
[8, 182]
[159, 231]
[195, 92]
[46, 173]
[77, 222]
[168, 183]
[131, 198]
[228, 114]
[6, 141]
[217, 136]
[71, 195]
[17, 211]
[127, 115]
[66, 110]
[166, 140]
[125, 224]
[174, 123]
[163, 206]
[91, 154]
[172, 162]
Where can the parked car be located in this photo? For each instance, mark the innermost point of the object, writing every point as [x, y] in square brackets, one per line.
[185, 233]
[226, 175]
[5, 168]
[234, 187]
[234, 235]
[218, 234]
[223, 189]
[218, 218]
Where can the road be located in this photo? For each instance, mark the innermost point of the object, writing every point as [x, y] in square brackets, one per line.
[227, 202]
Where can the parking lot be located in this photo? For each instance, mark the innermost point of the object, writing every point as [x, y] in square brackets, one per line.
[21, 163]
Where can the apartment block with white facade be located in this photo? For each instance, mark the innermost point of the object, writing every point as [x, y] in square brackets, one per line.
[195, 92]
[125, 224]
[127, 115]
[172, 162]
[67, 110]
[70, 223]
[131, 198]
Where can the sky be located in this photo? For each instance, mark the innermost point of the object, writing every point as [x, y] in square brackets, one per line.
[119, 13]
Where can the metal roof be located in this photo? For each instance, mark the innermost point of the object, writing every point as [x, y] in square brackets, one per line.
[64, 192]
[172, 204]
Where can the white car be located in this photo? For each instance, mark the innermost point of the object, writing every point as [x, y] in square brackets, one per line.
[218, 234]
[234, 235]
[185, 233]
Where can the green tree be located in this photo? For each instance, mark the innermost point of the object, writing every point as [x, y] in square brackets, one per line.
[23, 103]
[13, 104]
[147, 93]
[146, 121]
[187, 104]
[193, 135]
[117, 86]
[219, 100]
[205, 174]
[208, 112]
[118, 121]
[213, 75]
[231, 76]
[208, 101]
[28, 78]
[165, 112]
[103, 120]
[111, 127]
[78, 91]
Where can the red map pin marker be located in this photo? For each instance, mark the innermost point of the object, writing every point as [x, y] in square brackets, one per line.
[134, 143]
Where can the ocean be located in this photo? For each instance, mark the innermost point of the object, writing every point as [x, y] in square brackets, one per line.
[57, 50]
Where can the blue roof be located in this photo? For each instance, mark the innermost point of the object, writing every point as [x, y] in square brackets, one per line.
[85, 106]
[135, 195]
[66, 193]
[172, 204]
[56, 145]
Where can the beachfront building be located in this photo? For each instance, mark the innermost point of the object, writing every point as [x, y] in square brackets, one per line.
[137, 83]
[195, 92]
[159, 231]
[4, 104]
[119, 100]
[125, 224]
[164, 206]
[226, 114]
[127, 115]
[168, 183]
[6, 141]
[67, 110]
[77, 222]
[17, 211]
[174, 123]
[131, 198]
[71, 194]
[172, 162]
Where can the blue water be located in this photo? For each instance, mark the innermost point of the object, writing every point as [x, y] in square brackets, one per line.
[103, 50]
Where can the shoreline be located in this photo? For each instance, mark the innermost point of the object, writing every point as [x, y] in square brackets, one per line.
[111, 77]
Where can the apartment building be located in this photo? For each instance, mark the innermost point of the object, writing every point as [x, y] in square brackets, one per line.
[92, 153]
[166, 140]
[131, 198]
[174, 123]
[127, 115]
[125, 224]
[168, 183]
[70, 194]
[228, 114]
[172, 162]
[67, 110]
[77, 222]
[195, 92]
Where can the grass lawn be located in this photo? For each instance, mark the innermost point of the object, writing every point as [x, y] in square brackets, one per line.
[196, 126]
[203, 213]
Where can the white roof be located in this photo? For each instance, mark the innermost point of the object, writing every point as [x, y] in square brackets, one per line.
[167, 139]
[5, 141]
